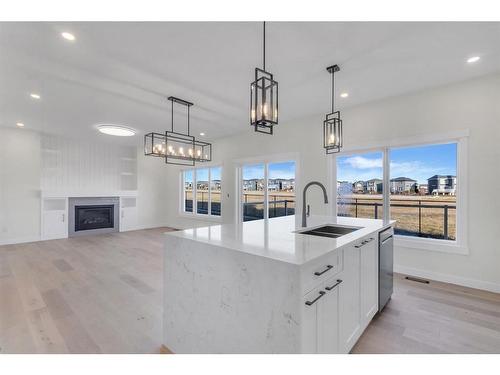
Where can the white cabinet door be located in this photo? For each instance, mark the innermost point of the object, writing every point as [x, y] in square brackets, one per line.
[311, 303]
[54, 218]
[128, 213]
[349, 299]
[328, 318]
[128, 219]
[369, 280]
[320, 319]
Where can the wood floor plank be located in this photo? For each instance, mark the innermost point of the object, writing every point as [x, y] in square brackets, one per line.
[103, 294]
[62, 265]
[46, 336]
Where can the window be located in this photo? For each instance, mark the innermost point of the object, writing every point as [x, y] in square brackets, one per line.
[422, 189]
[360, 185]
[267, 190]
[188, 191]
[252, 195]
[281, 189]
[215, 191]
[202, 191]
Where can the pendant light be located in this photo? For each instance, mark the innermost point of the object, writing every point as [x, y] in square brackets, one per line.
[332, 126]
[263, 97]
[177, 148]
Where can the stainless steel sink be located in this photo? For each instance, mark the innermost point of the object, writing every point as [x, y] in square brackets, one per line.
[332, 231]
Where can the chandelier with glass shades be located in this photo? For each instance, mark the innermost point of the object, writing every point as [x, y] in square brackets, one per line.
[177, 148]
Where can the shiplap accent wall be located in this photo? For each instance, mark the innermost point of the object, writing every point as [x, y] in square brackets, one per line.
[74, 165]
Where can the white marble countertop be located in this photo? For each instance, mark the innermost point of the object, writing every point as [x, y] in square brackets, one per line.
[277, 239]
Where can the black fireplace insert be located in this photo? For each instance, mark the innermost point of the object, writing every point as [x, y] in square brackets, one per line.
[94, 217]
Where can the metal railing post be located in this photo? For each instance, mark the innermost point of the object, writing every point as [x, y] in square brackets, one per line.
[356, 206]
[419, 218]
[445, 221]
[376, 210]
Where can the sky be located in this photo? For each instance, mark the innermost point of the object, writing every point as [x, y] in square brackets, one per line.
[284, 170]
[202, 174]
[418, 163]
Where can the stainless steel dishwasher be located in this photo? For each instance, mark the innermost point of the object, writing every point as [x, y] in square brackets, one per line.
[385, 265]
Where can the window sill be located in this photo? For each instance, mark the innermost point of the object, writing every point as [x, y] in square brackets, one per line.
[429, 244]
[200, 217]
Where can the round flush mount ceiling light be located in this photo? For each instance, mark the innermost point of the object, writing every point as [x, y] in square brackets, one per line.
[344, 95]
[35, 96]
[202, 134]
[116, 130]
[19, 124]
[68, 36]
[473, 59]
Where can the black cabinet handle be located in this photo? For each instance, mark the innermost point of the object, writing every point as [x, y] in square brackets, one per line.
[334, 285]
[328, 268]
[321, 294]
[363, 243]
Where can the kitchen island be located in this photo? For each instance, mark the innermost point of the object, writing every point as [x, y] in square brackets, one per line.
[262, 287]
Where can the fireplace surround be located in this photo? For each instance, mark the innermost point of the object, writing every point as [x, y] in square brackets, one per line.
[93, 215]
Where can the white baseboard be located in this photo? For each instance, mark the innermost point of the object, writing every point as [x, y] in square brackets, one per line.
[13, 241]
[446, 278]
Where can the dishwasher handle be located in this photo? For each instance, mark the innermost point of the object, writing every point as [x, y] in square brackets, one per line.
[387, 239]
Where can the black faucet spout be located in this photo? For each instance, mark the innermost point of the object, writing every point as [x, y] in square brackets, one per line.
[325, 196]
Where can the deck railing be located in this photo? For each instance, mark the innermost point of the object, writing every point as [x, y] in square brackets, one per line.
[419, 205]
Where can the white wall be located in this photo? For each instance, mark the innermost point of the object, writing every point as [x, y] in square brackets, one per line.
[152, 187]
[31, 163]
[472, 105]
[19, 185]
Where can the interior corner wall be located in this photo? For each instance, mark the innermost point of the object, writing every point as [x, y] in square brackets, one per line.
[472, 105]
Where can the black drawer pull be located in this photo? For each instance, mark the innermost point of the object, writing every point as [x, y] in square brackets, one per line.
[328, 268]
[321, 294]
[364, 242]
[334, 285]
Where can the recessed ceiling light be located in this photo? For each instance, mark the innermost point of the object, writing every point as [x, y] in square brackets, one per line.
[20, 124]
[202, 134]
[35, 96]
[473, 59]
[344, 95]
[68, 36]
[117, 130]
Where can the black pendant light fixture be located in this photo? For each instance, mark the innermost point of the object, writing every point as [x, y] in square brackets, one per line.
[332, 126]
[177, 148]
[263, 97]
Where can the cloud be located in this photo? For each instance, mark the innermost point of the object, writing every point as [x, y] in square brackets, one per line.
[360, 162]
[413, 167]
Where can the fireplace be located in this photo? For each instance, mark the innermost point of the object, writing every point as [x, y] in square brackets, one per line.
[94, 217]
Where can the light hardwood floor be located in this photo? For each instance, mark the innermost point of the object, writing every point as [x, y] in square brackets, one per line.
[102, 294]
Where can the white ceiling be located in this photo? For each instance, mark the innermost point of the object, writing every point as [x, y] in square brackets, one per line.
[121, 73]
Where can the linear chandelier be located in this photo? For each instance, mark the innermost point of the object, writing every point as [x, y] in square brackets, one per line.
[177, 148]
[332, 125]
[263, 97]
